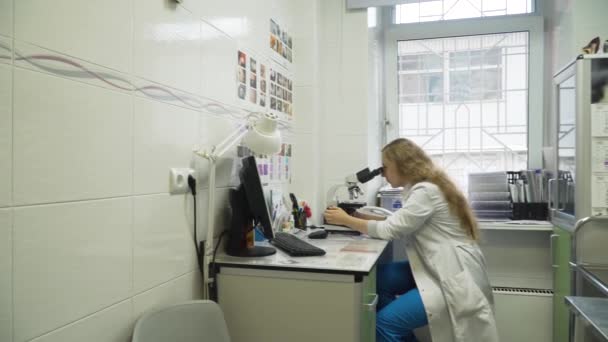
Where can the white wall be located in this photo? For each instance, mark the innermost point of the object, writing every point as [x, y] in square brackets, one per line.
[344, 93]
[569, 25]
[574, 24]
[89, 235]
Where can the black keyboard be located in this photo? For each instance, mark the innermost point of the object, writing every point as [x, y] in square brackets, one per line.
[295, 246]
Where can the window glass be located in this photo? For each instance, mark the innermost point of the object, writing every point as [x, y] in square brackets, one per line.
[416, 11]
[465, 101]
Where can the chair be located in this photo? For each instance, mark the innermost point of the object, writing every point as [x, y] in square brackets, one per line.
[198, 320]
[423, 334]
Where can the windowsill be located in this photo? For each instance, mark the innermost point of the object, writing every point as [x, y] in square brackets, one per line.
[520, 225]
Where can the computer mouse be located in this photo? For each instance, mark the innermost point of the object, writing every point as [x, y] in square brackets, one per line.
[319, 234]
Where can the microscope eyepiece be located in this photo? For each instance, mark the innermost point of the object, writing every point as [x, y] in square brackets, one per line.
[366, 175]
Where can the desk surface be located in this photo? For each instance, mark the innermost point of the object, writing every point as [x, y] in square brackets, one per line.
[345, 254]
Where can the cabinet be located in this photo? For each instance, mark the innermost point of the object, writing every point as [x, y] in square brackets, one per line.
[369, 299]
[320, 298]
[578, 191]
[560, 249]
[518, 259]
[588, 298]
[270, 305]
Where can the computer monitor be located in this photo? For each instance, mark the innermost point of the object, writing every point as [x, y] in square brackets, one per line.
[248, 211]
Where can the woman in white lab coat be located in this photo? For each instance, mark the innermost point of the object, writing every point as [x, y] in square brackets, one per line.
[444, 282]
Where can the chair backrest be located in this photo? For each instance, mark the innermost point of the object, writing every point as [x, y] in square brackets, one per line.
[192, 321]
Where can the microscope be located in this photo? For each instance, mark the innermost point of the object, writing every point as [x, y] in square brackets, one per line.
[351, 183]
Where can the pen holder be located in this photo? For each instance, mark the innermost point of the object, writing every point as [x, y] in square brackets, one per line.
[518, 211]
[299, 220]
[530, 211]
[539, 211]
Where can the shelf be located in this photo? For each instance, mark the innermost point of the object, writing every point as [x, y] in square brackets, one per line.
[595, 274]
[592, 310]
[534, 226]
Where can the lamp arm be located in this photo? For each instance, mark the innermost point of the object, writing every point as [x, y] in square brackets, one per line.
[221, 148]
[208, 253]
[230, 141]
[212, 157]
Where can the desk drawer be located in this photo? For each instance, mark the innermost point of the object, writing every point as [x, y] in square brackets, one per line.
[265, 307]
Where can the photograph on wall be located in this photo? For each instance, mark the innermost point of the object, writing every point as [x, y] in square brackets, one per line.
[242, 59]
[263, 100]
[252, 83]
[241, 75]
[281, 41]
[252, 65]
[241, 91]
[281, 96]
[262, 85]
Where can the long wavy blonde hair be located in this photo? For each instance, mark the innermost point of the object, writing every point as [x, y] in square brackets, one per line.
[415, 166]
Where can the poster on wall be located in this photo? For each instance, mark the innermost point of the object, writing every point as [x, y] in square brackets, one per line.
[281, 92]
[274, 168]
[251, 80]
[280, 41]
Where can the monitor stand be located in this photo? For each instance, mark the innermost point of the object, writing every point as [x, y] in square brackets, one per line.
[242, 223]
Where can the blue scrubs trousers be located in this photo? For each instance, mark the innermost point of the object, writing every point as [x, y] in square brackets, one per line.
[397, 317]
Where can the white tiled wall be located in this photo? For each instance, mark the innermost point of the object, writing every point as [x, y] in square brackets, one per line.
[162, 240]
[112, 324]
[344, 93]
[6, 281]
[167, 45]
[99, 32]
[6, 17]
[71, 141]
[6, 134]
[70, 260]
[97, 102]
[164, 135]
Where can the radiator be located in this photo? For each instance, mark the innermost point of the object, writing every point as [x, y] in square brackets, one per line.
[524, 314]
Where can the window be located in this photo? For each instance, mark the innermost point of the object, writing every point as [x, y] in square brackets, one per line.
[416, 11]
[464, 100]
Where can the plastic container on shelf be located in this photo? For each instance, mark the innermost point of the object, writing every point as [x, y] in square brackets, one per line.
[391, 198]
[489, 196]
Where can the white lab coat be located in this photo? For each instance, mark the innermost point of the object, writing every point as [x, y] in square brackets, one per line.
[447, 265]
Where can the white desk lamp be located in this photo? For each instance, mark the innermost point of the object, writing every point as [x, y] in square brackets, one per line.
[260, 134]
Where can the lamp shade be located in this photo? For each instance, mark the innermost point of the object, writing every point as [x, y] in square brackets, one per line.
[263, 137]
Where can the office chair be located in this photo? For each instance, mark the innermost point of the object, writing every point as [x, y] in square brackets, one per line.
[198, 320]
[423, 334]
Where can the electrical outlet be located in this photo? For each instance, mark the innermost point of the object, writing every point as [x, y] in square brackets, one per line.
[178, 180]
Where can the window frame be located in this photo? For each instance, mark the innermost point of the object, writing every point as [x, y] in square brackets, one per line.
[531, 23]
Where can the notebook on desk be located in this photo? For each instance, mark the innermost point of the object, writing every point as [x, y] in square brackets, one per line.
[330, 228]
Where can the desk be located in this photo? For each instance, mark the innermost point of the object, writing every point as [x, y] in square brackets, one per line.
[321, 298]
